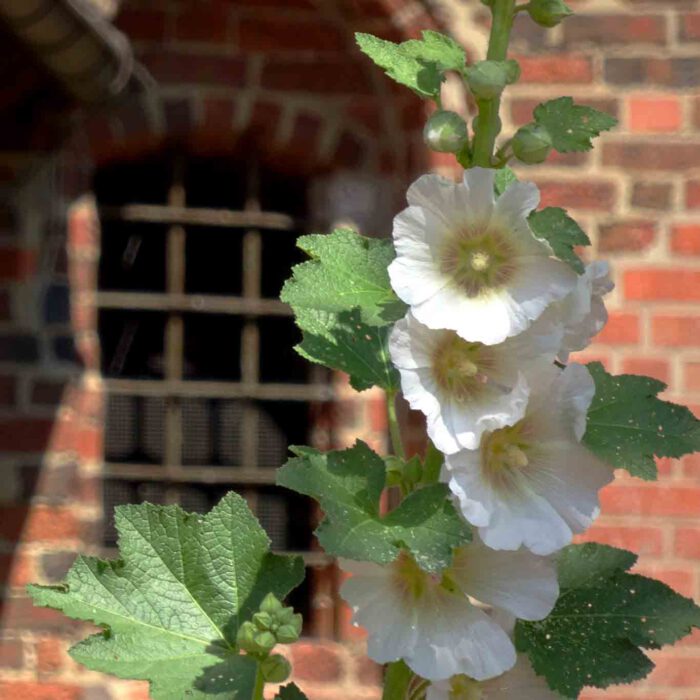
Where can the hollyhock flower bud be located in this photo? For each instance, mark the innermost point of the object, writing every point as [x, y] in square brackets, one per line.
[548, 13]
[532, 144]
[445, 132]
[275, 669]
[487, 79]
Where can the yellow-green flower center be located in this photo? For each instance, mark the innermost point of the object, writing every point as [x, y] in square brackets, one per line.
[410, 580]
[478, 261]
[460, 368]
[504, 451]
[464, 688]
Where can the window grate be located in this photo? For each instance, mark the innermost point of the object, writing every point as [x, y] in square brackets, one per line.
[204, 392]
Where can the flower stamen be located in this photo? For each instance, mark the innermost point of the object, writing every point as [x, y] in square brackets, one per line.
[460, 368]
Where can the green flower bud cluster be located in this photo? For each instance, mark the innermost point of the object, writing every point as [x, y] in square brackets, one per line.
[273, 624]
[531, 144]
[406, 475]
[488, 79]
[445, 132]
[548, 13]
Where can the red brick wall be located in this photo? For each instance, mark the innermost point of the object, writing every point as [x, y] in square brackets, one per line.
[235, 72]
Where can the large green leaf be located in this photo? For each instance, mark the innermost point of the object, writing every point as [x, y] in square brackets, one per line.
[348, 485]
[572, 126]
[602, 618]
[342, 341]
[418, 63]
[172, 606]
[562, 233]
[343, 302]
[628, 425]
[346, 271]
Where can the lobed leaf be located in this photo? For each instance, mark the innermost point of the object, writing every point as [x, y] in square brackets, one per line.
[562, 233]
[348, 485]
[172, 606]
[572, 126]
[627, 425]
[290, 692]
[602, 618]
[418, 63]
[342, 341]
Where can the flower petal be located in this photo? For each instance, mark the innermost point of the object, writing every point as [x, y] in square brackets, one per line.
[519, 582]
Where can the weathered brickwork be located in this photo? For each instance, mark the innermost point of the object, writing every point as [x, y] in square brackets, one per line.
[283, 77]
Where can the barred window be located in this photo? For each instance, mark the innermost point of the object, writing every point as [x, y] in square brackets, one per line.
[204, 389]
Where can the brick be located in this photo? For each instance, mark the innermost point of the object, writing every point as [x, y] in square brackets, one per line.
[349, 151]
[671, 330]
[28, 690]
[5, 305]
[676, 672]
[651, 195]
[638, 155]
[50, 524]
[621, 329]
[24, 434]
[689, 29]
[204, 22]
[316, 662]
[16, 263]
[277, 35]
[692, 194]
[556, 68]
[645, 541]
[49, 655]
[20, 347]
[612, 29]
[662, 285]
[686, 542]
[11, 653]
[631, 499]
[22, 614]
[666, 72]
[142, 24]
[198, 69]
[649, 114]
[8, 386]
[685, 239]
[691, 466]
[46, 392]
[311, 76]
[691, 376]
[595, 195]
[648, 366]
[55, 565]
[626, 236]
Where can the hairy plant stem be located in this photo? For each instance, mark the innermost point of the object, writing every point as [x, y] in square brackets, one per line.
[394, 429]
[487, 124]
[258, 691]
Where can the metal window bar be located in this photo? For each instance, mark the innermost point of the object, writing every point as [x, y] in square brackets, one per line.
[174, 389]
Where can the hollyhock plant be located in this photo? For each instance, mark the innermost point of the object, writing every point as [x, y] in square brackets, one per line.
[470, 263]
[429, 621]
[458, 554]
[465, 388]
[534, 483]
[520, 683]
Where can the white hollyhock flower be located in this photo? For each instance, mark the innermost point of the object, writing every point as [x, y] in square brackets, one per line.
[467, 263]
[430, 623]
[520, 683]
[534, 483]
[465, 388]
[581, 314]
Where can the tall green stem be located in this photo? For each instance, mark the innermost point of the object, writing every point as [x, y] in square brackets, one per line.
[487, 125]
[258, 692]
[394, 429]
